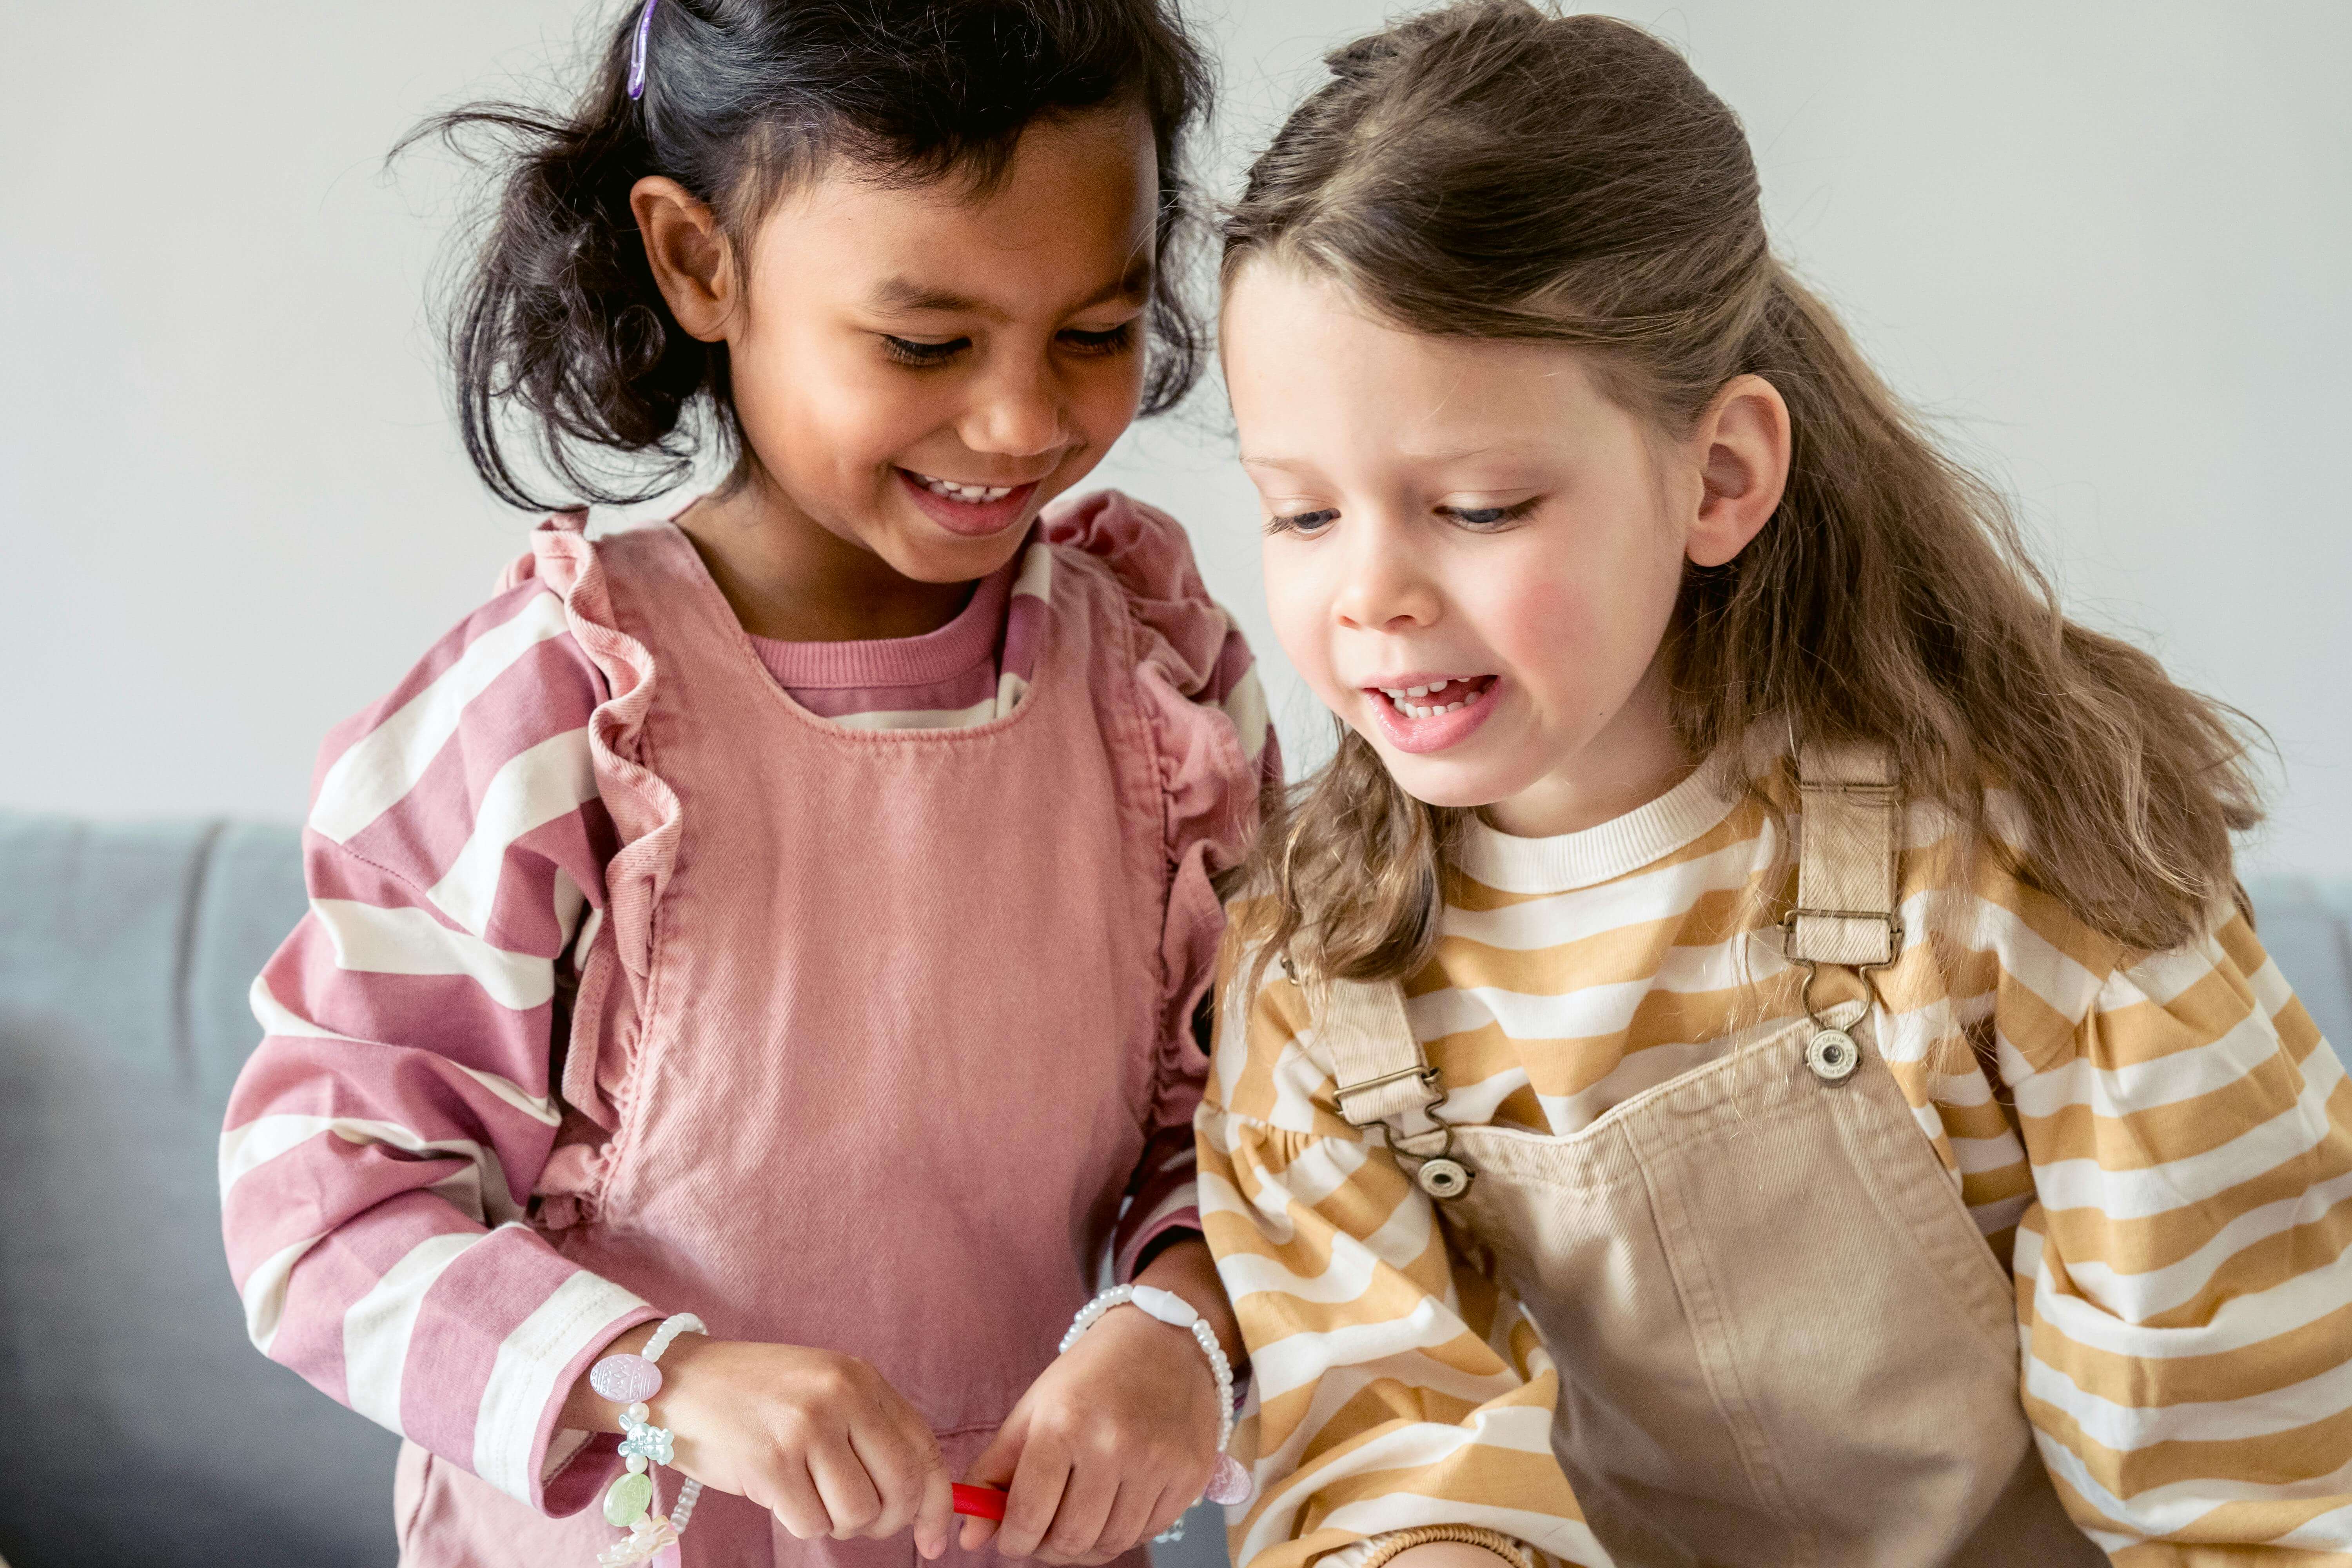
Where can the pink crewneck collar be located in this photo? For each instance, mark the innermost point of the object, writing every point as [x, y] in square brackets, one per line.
[969, 639]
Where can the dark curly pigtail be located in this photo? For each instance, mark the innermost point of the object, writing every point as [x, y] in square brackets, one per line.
[560, 342]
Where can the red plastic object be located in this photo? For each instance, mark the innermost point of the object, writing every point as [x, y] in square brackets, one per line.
[980, 1502]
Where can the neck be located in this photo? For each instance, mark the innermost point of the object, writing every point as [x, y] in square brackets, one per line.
[788, 576]
[1633, 760]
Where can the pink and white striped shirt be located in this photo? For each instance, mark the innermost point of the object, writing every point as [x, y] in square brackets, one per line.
[383, 1143]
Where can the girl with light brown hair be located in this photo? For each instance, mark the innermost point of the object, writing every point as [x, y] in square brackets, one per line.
[1752, 1051]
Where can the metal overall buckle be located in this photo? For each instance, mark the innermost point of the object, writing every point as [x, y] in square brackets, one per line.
[1833, 1053]
[1441, 1175]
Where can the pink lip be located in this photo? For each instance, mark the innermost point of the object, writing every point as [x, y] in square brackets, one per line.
[970, 518]
[1422, 736]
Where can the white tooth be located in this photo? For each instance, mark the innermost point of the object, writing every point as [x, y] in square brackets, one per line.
[1452, 706]
[1416, 692]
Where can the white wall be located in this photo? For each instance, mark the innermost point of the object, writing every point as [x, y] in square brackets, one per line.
[2106, 241]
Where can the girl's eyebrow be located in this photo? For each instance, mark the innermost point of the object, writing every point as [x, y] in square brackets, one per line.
[1419, 455]
[905, 295]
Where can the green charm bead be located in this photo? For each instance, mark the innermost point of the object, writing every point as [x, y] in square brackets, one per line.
[627, 1500]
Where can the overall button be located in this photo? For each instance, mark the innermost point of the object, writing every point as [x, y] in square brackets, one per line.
[1832, 1056]
[1443, 1178]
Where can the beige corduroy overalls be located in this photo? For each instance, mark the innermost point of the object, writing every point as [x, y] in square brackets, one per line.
[1780, 1337]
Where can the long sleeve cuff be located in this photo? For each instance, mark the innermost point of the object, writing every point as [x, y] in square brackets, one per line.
[561, 1471]
[1380, 1548]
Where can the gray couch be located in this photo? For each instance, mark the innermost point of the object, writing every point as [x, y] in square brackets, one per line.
[143, 1428]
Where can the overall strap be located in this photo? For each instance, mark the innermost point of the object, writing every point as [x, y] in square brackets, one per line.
[1846, 847]
[1382, 1072]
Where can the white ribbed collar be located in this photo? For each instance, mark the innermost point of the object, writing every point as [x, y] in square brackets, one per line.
[1509, 865]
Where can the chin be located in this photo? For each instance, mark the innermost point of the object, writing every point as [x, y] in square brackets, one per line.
[929, 554]
[1440, 784]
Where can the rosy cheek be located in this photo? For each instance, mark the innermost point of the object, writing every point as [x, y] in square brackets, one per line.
[1536, 621]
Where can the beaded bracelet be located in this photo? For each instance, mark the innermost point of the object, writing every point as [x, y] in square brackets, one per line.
[630, 1381]
[1228, 1483]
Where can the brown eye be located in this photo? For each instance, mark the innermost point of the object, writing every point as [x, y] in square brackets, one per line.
[909, 352]
[1116, 340]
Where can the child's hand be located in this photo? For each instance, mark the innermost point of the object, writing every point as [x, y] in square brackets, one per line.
[1115, 1441]
[815, 1438]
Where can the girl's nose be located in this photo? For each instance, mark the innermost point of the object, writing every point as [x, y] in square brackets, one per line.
[1016, 412]
[1385, 588]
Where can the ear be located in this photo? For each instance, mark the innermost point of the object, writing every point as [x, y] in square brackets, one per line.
[1741, 446]
[693, 263]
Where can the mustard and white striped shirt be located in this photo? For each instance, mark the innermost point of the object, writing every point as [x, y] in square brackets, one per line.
[2172, 1185]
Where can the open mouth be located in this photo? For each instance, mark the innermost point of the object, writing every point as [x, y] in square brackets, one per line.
[1447, 696]
[1427, 715]
[972, 495]
[970, 510]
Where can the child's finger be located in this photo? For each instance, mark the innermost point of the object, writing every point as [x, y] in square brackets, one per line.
[794, 1503]
[1087, 1499]
[993, 1468]
[935, 1514]
[913, 1476]
[935, 1503]
[1130, 1516]
[1034, 1499]
[848, 1492]
[895, 1466]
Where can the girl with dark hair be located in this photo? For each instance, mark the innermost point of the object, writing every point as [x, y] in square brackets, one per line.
[1751, 1052]
[749, 992]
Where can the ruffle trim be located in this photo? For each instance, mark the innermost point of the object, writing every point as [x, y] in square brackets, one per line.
[1208, 784]
[618, 963]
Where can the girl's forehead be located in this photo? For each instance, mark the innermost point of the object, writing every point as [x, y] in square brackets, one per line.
[1304, 352]
[1076, 207]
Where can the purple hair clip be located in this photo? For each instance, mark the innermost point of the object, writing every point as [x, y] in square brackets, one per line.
[637, 53]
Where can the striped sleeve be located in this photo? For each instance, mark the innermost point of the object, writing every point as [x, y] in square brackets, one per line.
[1395, 1387]
[2184, 1271]
[382, 1143]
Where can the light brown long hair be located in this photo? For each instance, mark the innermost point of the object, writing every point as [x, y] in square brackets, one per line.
[1491, 170]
